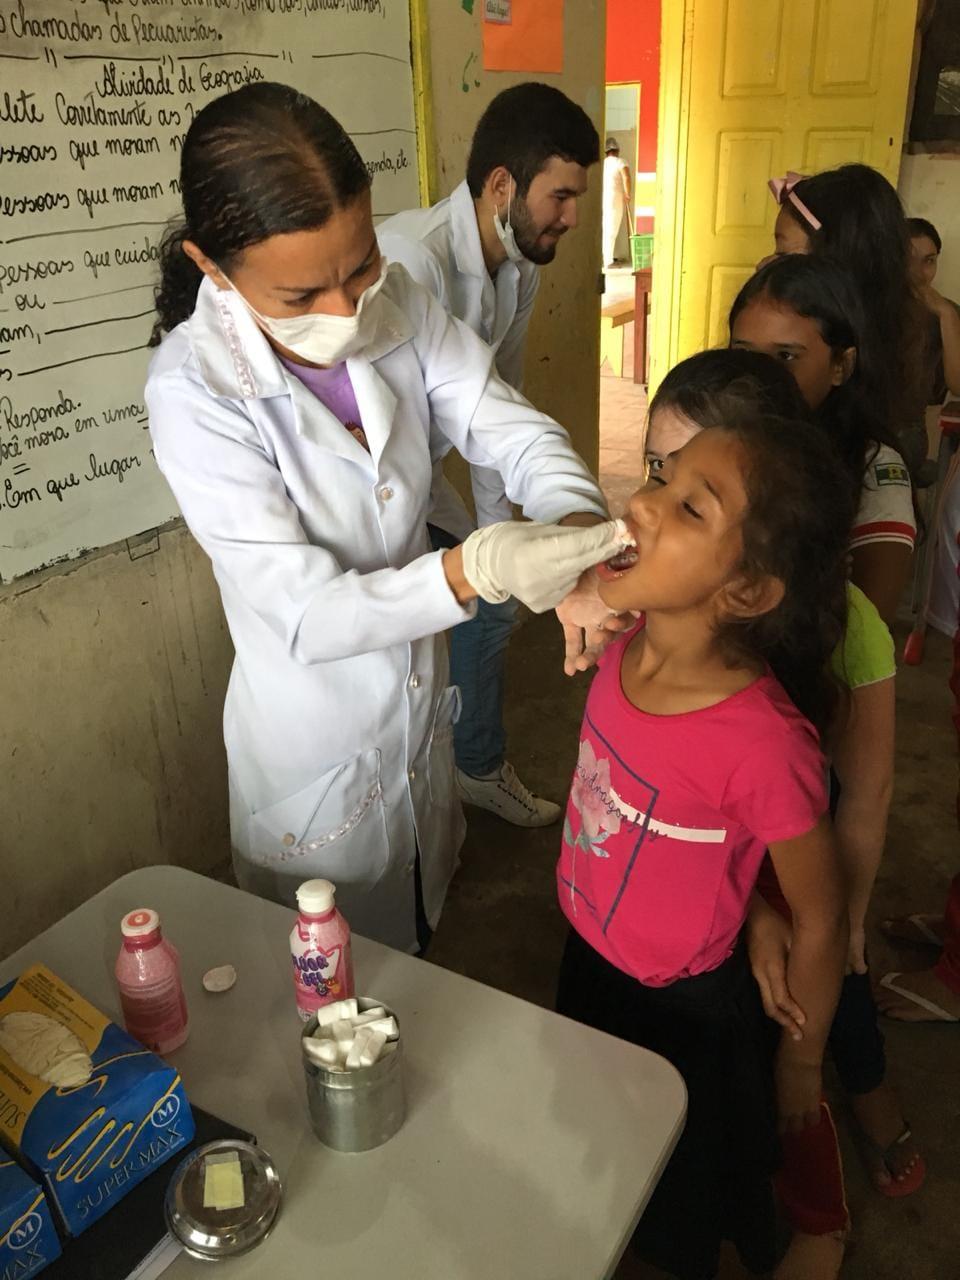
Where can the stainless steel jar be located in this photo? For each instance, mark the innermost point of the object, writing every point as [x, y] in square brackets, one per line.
[356, 1110]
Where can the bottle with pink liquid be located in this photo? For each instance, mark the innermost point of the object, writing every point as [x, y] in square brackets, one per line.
[148, 976]
[320, 950]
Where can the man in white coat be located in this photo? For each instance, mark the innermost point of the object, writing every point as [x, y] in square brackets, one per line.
[616, 198]
[479, 252]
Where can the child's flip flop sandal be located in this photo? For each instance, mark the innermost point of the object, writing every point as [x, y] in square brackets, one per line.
[876, 1157]
[889, 980]
[923, 935]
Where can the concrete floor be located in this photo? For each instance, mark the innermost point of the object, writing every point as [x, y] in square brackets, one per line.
[501, 924]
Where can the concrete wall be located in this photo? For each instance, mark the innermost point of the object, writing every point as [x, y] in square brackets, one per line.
[114, 673]
[114, 669]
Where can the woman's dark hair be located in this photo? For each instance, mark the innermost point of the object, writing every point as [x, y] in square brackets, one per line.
[258, 162]
[799, 515]
[690, 386]
[917, 227]
[854, 413]
[522, 128]
[863, 229]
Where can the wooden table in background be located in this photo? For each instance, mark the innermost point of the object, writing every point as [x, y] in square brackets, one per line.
[642, 284]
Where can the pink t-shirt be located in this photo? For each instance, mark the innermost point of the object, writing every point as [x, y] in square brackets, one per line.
[669, 818]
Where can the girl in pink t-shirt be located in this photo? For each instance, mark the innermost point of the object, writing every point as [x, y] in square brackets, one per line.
[810, 1180]
[694, 760]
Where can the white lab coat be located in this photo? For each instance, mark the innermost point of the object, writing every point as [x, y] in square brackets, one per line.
[338, 718]
[440, 247]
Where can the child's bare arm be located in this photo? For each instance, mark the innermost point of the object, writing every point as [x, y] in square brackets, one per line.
[881, 571]
[950, 337]
[946, 313]
[809, 873]
[768, 936]
[863, 762]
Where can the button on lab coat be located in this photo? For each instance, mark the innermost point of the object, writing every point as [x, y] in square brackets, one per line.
[440, 247]
[338, 718]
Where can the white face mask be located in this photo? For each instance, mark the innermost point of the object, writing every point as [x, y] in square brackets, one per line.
[505, 233]
[322, 339]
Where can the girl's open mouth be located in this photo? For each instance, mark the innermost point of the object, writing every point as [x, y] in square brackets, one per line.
[624, 559]
[619, 563]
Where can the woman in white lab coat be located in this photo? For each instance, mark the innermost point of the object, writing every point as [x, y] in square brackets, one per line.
[296, 403]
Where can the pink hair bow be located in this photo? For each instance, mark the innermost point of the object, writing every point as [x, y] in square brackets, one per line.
[782, 189]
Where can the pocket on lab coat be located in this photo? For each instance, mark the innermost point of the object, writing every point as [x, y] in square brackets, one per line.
[440, 760]
[334, 827]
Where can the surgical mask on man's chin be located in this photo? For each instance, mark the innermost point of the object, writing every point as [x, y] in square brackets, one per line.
[505, 233]
[322, 339]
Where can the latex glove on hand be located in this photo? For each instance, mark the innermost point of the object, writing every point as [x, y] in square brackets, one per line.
[588, 624]
[537, 563]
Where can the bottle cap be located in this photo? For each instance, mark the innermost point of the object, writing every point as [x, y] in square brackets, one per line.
[315, 897]
[139, 923]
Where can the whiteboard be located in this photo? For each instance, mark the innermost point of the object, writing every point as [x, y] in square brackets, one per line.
[95, 98]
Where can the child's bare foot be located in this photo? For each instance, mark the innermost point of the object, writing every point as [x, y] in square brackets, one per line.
[917, 997]
[917, 930]
[812, 1257]
[886, 1143]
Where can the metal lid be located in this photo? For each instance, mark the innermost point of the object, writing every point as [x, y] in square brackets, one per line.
[210, 1232]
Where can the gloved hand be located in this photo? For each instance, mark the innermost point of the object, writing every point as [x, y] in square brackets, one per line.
[537, 563]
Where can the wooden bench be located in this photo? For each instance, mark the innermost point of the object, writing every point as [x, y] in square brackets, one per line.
[612, 319]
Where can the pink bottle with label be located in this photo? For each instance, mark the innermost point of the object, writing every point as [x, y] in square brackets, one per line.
[320, 950]
[148, 976]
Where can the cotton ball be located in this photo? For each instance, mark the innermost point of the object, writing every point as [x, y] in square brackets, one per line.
[220, 979]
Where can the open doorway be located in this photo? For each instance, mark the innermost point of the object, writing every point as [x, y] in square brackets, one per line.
[621, 129]
[630, 143]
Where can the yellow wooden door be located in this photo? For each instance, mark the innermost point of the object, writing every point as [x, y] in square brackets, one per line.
[750, 89]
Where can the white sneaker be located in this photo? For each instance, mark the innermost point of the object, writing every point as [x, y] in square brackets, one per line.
[507, 797]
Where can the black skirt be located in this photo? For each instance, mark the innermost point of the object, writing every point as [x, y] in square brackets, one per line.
[717, 1184]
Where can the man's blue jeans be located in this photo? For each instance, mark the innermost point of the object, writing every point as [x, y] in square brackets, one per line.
[478, 651]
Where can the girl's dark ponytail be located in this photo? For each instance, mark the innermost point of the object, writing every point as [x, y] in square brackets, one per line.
[797, 528]
[180, 277]
[863, 231]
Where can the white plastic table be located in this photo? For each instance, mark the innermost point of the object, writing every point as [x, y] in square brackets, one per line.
[531, 1143]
